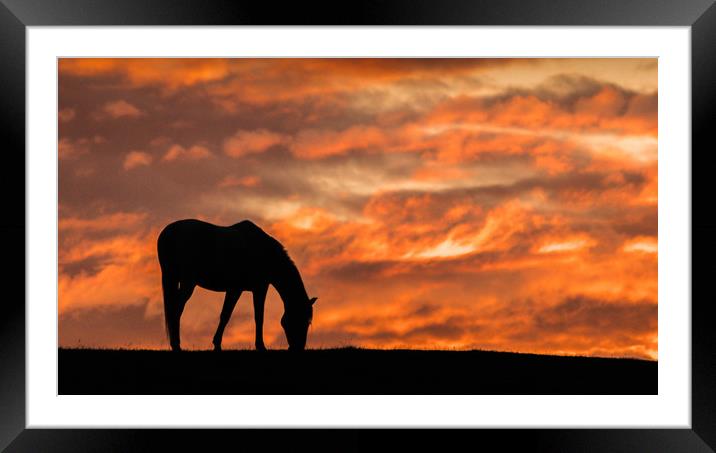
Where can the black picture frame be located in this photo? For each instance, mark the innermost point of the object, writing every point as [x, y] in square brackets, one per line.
[699, 15]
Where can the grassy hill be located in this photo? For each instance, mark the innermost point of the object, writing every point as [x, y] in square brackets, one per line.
[347, 371]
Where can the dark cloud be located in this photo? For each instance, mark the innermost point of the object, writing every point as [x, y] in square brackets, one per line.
[452, 328]
[123, 326]
[448, 330]
[640, 222]
[358, 270]
[425, 309]
[88, 266]
[598, 317]
[566, 90]
[565, 186]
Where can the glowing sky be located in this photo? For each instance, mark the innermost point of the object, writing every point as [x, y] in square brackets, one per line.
[429, 203]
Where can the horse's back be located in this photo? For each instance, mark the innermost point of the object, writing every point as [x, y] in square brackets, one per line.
[248, 229]
[183, 233]
[203, 251]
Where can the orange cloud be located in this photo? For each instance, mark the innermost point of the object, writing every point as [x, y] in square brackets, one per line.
[316, 144]
[566, 245]
[246, 181]
[642, 244]
[121, 108]
[178, 152]
[73, 149]
[125, 273]
[66, 115]
[172, 72]
[118, 220]
[607, 111]
[251, 142]
[136, 159]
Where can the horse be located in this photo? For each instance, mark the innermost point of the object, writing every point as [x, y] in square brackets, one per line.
[233, 259]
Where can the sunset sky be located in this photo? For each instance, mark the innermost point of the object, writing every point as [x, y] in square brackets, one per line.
[429, 203]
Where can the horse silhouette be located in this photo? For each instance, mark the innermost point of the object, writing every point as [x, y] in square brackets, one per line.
[233, 259]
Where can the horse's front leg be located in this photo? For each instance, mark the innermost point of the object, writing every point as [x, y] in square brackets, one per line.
[229, 303]
[259, 302]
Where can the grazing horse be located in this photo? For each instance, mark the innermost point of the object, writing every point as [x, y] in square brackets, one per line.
[233, 259]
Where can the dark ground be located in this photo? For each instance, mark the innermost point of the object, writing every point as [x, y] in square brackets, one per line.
[347, 371]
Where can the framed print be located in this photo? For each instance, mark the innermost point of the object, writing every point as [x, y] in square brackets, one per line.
[434, 280]
[470, 214]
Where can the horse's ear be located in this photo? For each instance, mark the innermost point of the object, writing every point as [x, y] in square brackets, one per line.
[313, 300]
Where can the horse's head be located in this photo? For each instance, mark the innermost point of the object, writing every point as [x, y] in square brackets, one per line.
[295, 324]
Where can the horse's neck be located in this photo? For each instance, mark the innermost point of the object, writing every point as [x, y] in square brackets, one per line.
[289, 284]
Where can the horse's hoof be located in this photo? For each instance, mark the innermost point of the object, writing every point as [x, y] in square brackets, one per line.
[217, 348]
[260, 347]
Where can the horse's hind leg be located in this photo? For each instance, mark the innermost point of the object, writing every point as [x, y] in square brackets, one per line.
[229, 303]
[259, 302]
[176, 295]
[170, 289]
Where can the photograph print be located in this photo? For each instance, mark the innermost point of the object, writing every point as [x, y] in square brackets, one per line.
[357, 226]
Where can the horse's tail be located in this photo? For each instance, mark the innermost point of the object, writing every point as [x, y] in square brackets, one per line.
[168, 305]
[167, 284]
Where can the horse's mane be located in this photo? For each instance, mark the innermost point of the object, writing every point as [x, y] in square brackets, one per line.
[283, 253]
[293, 272]
[290, 265]
[279, 248]
[289, 270]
